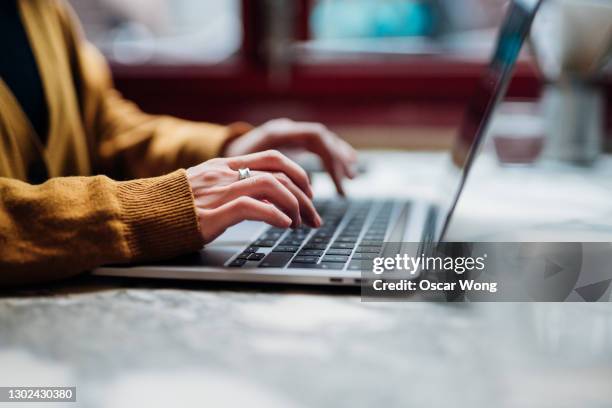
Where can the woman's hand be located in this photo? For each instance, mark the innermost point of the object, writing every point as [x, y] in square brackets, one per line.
[338, 157]
[278, 193]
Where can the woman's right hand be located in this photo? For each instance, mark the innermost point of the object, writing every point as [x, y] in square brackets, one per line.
[278, 193]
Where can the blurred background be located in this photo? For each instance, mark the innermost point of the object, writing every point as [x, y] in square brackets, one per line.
[382, 73]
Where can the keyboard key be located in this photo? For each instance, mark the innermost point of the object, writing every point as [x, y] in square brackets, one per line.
[315, 246]
[303, 230]
[317, 240]
[306, 259]
[374, 237]
[336, 251]
[335, 258]
[251, 249]
[265, 243]
[329, 265]
[286, 248]
[275, 229]
[295, 238]
[368, 249]
[256, 256]
[243, 255]
[292, 242]
[343, 245]
[271, 235]
[371, 243]
[237, 263]
[276, 260]
[347, 239]
[311, 252]
[363, 256]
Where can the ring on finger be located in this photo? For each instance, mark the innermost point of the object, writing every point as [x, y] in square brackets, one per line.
[244, 173]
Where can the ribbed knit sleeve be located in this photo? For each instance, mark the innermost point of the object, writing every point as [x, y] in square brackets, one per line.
[73, 224]
[159, 216]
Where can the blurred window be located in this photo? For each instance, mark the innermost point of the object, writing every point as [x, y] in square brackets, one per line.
[333, 19]
[163, 31]
[404, 27]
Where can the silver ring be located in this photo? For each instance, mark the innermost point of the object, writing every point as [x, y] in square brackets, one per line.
[244, 173]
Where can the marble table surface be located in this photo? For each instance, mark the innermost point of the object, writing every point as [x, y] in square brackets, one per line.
[126, 343]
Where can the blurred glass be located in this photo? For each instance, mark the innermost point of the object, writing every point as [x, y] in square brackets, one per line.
[572, 40]
[163, 31]
[518, 131]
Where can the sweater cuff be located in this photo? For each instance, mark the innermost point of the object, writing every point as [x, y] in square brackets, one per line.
[159, 217]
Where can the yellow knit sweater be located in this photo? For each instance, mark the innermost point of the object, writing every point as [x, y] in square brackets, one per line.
[76, 221]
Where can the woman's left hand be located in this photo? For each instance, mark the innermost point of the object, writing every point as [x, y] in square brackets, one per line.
[337, 156]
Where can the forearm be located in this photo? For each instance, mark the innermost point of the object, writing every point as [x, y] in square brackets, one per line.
[145, 145]
[70, 225]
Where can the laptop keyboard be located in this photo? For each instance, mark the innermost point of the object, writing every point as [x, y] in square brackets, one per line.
[353, 231]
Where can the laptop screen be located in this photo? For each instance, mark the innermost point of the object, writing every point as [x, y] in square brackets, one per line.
[490, 91]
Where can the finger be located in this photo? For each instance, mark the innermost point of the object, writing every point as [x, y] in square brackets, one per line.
[350, 156]
[317, 144]
[317, 139]
[341, 151]
[343, 158]
[336, 171]
[273, 160]
[330, 147]
[238, 210]
[264, 186]
[335, 143]
[347, 149]
[307, 208]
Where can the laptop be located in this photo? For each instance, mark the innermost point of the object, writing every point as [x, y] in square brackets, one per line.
[354, 231]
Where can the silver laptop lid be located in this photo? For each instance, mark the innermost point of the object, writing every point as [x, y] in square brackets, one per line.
[491, 90]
